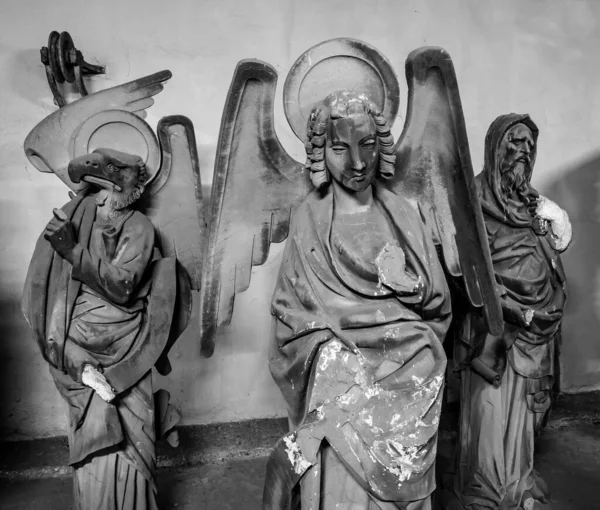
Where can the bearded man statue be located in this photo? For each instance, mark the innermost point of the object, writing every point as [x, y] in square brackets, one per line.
[507, 379]
[104, 307]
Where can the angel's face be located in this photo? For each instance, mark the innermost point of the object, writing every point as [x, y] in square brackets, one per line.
[352, 151]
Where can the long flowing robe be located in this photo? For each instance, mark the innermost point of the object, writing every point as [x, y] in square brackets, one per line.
[494, 467]
[115, 309]
[360, 366]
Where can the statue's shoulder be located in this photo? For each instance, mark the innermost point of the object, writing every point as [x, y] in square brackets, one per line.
[315, 201]
[140, 223]
[397, 204]
[315, 197]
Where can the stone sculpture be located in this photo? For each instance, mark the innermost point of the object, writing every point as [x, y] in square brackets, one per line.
[362, 302]
[507, 379]
[107, 292]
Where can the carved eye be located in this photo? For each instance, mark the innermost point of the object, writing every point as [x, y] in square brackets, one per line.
[369, 144]
[338, 149]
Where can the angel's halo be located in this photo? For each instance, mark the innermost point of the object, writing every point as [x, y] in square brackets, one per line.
[341, 63]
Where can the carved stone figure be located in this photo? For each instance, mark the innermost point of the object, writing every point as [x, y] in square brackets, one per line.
[362, 302]
[507, 379]
[104, 304]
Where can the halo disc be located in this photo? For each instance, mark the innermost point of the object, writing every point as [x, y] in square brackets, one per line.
[119, 130]
[339, 64]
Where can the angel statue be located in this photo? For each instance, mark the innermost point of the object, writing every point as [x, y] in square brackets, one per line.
[107, 292]
[362, 302]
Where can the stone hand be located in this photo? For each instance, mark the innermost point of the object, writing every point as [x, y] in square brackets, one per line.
[61, 235]
[516, 315]
[95, 380]
[532, 201]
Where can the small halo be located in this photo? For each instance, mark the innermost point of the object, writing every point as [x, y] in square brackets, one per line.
[120, 130]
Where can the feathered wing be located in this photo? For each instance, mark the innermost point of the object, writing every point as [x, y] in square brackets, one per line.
[256, 185]
[177, 211]
[433, 168]
[48, 145]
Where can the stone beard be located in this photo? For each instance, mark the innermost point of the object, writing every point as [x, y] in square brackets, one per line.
[515, 178]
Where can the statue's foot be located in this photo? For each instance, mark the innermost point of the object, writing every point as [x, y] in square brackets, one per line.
[532, 503]
[539, 491]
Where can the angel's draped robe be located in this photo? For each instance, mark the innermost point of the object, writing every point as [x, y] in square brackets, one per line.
[375, 407]
[96, 312]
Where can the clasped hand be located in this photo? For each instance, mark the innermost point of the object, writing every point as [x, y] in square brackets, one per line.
[60, 234]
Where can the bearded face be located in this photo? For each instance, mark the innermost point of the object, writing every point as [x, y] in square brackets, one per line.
[123, 199]
[120, 176]
[516, 152]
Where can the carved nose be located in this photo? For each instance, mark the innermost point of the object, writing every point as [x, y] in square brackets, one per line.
[357, 162]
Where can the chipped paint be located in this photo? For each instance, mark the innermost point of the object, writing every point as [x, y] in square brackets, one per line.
[347, 399]
[528, 316]
[329, 354]
[297, 460]
[320, 413]
[391, 270]
[561, 231]
[372, 391]
[417, 379]
[393, 428]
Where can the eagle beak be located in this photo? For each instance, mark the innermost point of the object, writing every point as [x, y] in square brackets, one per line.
[91, 168]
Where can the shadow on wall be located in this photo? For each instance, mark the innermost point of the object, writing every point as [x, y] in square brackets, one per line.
[27, 394]
[9, 310]
[578, 192]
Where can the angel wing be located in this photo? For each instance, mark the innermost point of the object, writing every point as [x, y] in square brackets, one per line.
[49, 146]
[256, 185]
[434, 170]
[177, 212]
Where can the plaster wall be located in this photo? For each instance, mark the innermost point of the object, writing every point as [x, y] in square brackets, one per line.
[526, 56]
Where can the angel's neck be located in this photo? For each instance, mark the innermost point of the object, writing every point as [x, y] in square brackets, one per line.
[351, 202]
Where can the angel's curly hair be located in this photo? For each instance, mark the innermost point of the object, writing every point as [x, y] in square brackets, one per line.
[337, 105]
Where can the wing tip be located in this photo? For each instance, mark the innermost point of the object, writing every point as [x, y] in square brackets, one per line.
[253, 68]
[208, 318]
[156, 80]
[420, 60]
[207, 347]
